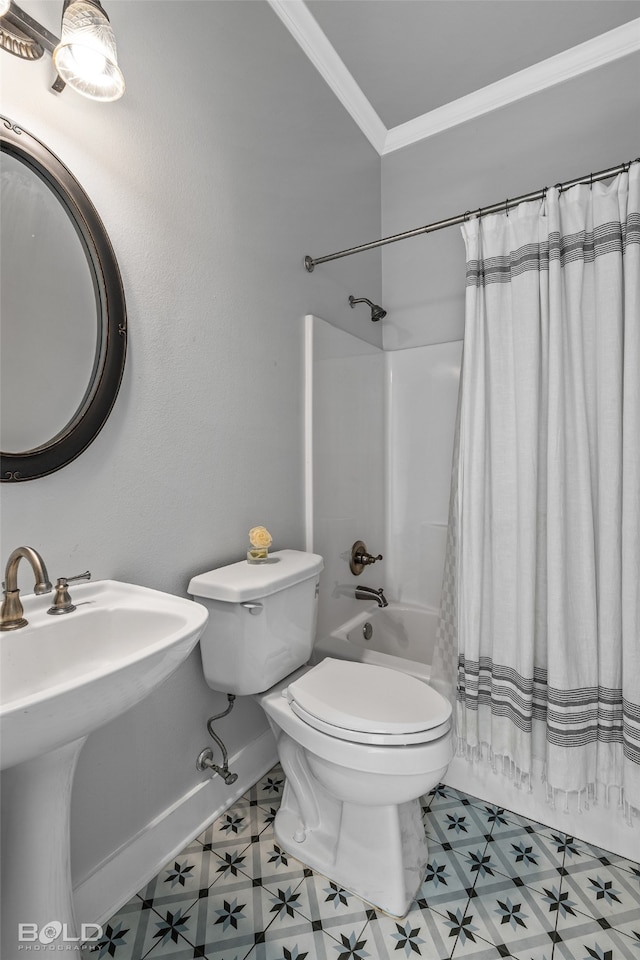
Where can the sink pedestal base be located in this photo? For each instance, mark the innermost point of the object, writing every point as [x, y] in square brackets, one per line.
[36, 869]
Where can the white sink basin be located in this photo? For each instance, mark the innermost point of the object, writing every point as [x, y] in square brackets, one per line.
[60, 678]
[63, 676]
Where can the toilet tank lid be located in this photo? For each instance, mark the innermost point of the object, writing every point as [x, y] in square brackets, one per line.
[243, 581]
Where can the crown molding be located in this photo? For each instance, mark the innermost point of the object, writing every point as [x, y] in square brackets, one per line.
[305, 29]
[573, 62]
[609, 46]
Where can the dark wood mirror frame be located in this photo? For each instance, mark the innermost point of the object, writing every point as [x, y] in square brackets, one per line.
[112, 318]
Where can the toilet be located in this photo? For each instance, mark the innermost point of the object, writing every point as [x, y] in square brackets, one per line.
[359, 744]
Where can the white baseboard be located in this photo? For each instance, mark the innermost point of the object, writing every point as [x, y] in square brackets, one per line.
[117, 878]
[604, 826]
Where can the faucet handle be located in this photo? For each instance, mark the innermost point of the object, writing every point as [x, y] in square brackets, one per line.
[361, 558]
[62, 602]
[79, 576]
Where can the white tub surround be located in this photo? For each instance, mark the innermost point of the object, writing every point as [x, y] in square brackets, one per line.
[422, 396]
[344, 463]
[400, 636]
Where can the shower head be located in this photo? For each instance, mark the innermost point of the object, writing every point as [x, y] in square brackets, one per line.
[377, 313]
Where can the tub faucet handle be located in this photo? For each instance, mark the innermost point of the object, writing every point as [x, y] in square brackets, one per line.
[361, 558]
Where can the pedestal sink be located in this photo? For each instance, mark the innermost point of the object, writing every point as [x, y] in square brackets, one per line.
[60, 678]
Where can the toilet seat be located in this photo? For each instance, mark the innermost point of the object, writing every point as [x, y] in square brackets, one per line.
[366, 703]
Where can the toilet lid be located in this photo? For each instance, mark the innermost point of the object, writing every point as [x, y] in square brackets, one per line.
[366, 703]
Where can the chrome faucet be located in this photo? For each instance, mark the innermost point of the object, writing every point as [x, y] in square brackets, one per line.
[368, 593]
[11, 614]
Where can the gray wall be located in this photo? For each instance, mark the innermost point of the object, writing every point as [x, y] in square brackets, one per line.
[586, 124]
[227, 160]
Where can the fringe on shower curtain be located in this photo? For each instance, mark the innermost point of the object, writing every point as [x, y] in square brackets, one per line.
[539, 634]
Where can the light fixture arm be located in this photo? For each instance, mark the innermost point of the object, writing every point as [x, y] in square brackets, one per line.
[17, 18]
[38, 38]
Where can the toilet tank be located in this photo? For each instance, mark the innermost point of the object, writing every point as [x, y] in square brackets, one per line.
[262, 620]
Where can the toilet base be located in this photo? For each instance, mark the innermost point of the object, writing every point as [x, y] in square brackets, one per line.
[377, 853]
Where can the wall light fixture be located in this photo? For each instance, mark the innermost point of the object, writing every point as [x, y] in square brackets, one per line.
[84, 57]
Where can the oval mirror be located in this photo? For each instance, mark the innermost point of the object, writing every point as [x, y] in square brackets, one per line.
[62, 309]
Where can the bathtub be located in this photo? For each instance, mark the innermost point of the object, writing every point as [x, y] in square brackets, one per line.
[401, 636]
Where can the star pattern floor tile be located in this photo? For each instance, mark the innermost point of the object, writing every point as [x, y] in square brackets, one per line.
[496, 885]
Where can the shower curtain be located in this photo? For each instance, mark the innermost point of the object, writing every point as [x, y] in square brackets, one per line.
[539, 634]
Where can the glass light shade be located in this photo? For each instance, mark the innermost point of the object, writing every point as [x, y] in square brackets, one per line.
[86, 56]
[4, 6]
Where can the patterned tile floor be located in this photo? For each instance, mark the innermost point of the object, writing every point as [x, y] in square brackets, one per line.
[497, 885]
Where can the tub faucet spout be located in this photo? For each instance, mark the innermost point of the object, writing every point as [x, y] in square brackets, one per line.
[11, 615]
[368, 593]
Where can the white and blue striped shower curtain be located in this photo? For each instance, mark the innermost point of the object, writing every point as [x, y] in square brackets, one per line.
[539, 635]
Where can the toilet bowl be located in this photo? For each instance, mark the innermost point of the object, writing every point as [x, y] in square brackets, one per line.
[351, 807]
[359, 743]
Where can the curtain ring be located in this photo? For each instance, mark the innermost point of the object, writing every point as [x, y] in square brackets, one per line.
[591, 181]
[506, 206]
[467, 214]
[559, 188]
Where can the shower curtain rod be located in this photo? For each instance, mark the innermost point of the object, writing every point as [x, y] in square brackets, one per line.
[311, 262]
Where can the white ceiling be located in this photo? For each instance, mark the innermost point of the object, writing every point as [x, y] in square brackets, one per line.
[407, 62]
[410, 56]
